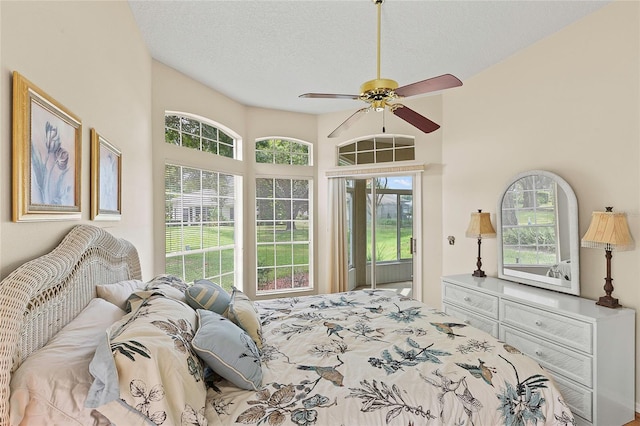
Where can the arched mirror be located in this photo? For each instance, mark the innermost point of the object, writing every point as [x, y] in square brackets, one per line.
[538, 240]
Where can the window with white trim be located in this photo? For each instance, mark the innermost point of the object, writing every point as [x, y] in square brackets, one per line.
[202, 230]
[200, 224]
[190, 132]
[283, 234]
[283, 151]
[377, 149]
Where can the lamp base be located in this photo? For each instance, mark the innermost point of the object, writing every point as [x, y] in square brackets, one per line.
[608, 302]
[479, 273]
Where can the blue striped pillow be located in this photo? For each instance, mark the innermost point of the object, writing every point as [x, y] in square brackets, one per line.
[204, 294]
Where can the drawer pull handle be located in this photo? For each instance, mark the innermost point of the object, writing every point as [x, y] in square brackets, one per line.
[538, 352]
[538, 323]
[466, 299]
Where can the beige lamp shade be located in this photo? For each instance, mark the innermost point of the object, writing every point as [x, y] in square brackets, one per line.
[608, 230]
[480, 226]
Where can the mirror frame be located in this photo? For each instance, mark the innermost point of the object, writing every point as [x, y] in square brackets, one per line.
[574, 237]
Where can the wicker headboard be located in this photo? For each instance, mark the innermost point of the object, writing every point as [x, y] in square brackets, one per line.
[43, 295]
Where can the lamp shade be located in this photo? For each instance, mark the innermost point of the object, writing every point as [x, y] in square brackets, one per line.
[608, 230]
[480, 226]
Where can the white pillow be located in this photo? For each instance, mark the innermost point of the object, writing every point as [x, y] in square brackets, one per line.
[51, 385]
[117, 293]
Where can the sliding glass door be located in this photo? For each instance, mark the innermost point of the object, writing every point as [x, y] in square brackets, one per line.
[380, 230]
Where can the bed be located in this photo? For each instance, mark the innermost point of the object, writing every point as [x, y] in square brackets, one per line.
[167, 352]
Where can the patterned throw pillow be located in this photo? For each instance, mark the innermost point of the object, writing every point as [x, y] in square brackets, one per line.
[228, 350]
[204, 294]
[169, 285]
[244, 314]
[149, 352]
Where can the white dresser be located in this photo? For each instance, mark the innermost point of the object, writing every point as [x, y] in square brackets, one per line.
[589, 349]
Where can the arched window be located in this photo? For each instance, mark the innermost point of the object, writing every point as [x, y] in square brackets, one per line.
[377, 149]
[194, 132]
[202, 223]
[283, 151]
[284, 219]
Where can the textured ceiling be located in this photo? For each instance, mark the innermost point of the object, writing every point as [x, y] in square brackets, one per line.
[266, 53]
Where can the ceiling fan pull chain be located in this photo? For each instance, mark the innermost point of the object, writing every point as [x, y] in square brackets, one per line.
[383, 116]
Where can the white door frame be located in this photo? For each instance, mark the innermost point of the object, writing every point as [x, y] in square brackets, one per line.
[409, 169]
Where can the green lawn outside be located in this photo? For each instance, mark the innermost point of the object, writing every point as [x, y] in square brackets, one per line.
[274, 260]
[386, 235]
[192, 237]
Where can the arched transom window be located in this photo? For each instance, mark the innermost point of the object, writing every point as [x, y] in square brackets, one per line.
[283, 151]
[190, 132]
[377, 149]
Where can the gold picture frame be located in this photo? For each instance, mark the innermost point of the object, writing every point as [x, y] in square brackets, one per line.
[47, 148]
[106, 179]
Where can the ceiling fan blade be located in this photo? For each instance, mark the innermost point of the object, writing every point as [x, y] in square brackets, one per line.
[328, 96]
[442, 82]
[348, 122]
[413, 118]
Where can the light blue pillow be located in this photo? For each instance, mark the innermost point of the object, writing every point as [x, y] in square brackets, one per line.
[228, 350]
[204, 294]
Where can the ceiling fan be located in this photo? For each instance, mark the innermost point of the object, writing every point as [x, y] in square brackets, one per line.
[380, 92]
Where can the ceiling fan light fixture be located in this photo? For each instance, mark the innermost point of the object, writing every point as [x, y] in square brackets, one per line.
[380, 91]
[378, 83]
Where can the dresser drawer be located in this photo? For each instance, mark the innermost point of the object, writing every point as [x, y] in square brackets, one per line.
[559, 328]
[579, 399]
[477, 321]
[565, 362]
[481, 303]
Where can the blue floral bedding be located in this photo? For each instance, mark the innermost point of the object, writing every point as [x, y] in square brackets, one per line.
[378, 358]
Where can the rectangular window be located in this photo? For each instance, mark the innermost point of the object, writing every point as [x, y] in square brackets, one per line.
[200, 225]
[283, 235]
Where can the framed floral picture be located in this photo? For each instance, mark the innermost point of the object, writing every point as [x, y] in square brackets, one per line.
[47, 143]
[106, 172]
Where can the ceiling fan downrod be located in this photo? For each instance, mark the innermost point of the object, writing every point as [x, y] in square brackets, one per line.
[379, 7]
[380, 90]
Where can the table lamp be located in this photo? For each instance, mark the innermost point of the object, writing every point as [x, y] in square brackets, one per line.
[610, 231]
[480, 227]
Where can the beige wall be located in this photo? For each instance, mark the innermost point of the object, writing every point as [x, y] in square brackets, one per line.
[569, 104]
[102, 73]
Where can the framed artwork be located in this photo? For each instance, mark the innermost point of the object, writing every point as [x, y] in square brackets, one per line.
[106, 172]
[47, 143]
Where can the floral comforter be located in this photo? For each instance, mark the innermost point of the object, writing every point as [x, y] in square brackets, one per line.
[378, 358]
